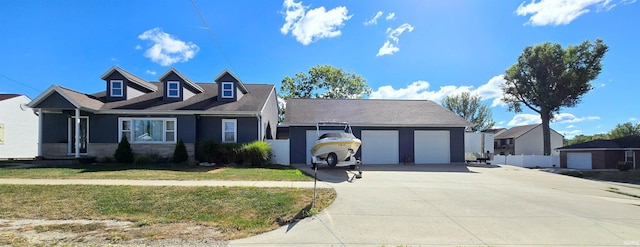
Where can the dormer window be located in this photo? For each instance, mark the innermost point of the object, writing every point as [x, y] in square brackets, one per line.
[116, 88]
[227, 90]
[173, 89]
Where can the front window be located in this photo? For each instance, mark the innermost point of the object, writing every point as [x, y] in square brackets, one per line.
[229, 130]
[227, 90]
[116, 88]
[629, 156]
[148, 130]
[172, 89]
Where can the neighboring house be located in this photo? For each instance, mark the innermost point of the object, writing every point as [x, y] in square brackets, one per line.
[392, 131]
[601, 154]
[18, 128]
[154, 115]
[526, 139]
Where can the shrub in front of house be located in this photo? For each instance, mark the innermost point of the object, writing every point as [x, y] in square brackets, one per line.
[123, 153]
[219, 153]
[624, 166]
[180, 154]
[256, 153]
[142, 159]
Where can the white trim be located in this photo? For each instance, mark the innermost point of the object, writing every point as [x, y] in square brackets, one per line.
[69, 140]
[111, 88]
[235, 129]
[164, 129]
[230, 90]
[177, 83]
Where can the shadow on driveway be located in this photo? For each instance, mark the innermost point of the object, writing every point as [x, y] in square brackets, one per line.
[344, 174]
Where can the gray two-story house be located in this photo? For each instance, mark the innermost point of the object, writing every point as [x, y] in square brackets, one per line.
[153, 115]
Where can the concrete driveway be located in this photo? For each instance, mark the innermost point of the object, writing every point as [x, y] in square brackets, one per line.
[452, 205]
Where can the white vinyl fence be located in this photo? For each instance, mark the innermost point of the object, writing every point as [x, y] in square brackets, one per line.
[527, 160]
[280, 149]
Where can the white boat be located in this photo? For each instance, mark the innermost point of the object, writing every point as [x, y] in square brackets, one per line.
[335, 148]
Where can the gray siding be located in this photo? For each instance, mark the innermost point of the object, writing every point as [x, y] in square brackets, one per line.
[297, 139]
[270, 117]
[55, 127]
[210, 128]
[228, 78]
[126, 84]
[173, 77]
[55, 101]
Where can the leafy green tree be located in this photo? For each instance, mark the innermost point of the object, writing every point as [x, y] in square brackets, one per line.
[323, 81]
[625, 129]
[123, 153]
[548, 77]
[471, 108]
[585, 138]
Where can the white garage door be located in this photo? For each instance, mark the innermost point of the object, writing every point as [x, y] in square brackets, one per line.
[312, 136]
[579, 160]
[431, 146]
[379, 147]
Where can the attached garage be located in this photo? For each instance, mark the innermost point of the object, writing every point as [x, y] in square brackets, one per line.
[432, 146]
[379, 147]
[579, 160]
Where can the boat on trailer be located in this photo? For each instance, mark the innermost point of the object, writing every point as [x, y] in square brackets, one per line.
[335, 148]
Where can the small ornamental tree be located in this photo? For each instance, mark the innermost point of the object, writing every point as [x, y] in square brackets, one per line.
[180, 153]
[124, 154]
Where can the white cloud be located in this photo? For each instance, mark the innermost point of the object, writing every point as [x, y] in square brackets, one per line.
[390, 16]
[420, 90]
[373, 20]
[167, 49]
[389, 48]
[571, 126]
[562, 12]
[150, 72]
[524, 119]
[310, 26]
[602, 85]
[113, 59]
[632, 119]
[138, 47]
[570, 134]
[560, 118]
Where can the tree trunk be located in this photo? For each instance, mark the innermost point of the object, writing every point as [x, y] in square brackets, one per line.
[546, 132]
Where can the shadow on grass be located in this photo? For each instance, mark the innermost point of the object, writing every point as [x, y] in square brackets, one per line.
[108, 167]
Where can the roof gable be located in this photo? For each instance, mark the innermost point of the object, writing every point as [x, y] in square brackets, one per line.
[130, 77]
[239, 83]
[59, 97]
[516, 131]
[183, 77]
[371, 112]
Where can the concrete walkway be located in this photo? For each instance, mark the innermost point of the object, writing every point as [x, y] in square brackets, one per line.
[285, 184]
[452, 205]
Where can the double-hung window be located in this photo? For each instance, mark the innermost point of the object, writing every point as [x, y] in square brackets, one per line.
[229, 130]
[148, 130]
[227, 90]
[629, 156]
[117, 88]
[173, 89]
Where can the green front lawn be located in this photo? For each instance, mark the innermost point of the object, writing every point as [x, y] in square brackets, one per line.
[115, 171]
[235, 212]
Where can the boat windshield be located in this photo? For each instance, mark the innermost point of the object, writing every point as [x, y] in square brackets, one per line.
[334, 135]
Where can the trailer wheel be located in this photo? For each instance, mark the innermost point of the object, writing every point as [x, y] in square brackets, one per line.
[332, 159]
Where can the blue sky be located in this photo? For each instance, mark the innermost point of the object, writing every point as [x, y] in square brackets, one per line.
[405, 49]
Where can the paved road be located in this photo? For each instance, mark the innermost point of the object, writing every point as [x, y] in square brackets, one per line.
[456, 206]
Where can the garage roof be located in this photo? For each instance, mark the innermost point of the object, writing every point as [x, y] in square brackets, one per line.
[370, 112]
[618, 143]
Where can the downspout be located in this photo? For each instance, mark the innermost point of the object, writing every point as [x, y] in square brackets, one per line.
[77, 135]
[40, 132]
[260, 128]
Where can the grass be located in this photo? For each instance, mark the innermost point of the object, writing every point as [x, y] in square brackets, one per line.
[236, 211]
[114, 171]
[613, 176]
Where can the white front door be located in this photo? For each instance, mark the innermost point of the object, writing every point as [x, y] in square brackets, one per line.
[84, 135]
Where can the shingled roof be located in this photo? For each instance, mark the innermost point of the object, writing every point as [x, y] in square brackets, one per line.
[515, 132]
[371, 112]
[618, 143]
[131, 77]
[8, 96]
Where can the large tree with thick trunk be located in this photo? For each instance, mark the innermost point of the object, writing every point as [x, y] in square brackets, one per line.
[548, 77]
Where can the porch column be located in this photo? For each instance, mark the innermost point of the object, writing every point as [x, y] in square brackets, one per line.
[40, 132]
[77, 135]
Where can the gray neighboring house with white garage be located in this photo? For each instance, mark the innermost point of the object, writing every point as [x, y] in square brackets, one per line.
[153, 115]
[392, 131]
